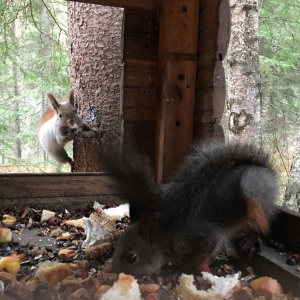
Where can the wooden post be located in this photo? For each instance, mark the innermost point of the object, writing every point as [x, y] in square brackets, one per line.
[178, 39]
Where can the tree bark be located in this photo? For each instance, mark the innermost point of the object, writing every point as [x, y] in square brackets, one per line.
[95, 58]
[292, 193]
[244, 96]
[17, 125]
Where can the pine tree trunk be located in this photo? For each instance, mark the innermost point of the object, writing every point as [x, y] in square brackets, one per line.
[244, 97]
[95, 58]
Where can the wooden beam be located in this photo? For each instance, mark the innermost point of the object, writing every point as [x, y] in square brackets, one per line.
[214, 34]
[145, 4]
[139, 97]
[286, 228]
[53, 189]
[272, 262]
[177, 75]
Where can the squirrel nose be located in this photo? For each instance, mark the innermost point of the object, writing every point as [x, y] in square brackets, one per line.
[71, 122]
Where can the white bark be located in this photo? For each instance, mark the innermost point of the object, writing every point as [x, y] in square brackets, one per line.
[244, 97]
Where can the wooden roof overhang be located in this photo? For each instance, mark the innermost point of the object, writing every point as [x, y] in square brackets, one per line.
[174, 82]
[143, 4]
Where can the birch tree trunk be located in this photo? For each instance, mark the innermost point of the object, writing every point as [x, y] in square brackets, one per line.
[244, 96]
[45, 24]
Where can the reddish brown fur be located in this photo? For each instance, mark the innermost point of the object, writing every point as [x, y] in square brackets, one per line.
[256, 218]
[49, 114]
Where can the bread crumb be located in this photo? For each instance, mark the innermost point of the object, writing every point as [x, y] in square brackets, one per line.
[125, 288]
[220, 287]
[266, 286]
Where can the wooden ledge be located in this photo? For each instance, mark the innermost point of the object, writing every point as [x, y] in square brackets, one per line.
[271, 263]
[63, 189]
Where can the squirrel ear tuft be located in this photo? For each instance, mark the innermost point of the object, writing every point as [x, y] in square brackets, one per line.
[71, 97]
[55, 105]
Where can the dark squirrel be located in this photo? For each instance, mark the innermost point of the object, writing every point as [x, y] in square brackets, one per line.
[221, 189]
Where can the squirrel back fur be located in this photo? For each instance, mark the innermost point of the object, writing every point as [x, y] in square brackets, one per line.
[226, 172]
[220, 190]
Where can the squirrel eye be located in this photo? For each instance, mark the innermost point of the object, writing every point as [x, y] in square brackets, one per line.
[60, 115]
[131, 257]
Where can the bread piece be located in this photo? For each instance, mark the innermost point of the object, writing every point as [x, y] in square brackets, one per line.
[51, 273]
[221, 287]
[125, 288]
[266, 286]
[5, 235]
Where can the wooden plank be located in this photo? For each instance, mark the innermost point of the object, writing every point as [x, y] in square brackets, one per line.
[59, 202]
[205, 79]
[140, 55]
[142, 76]
[139, 114]
[138, 63]
[136, 97]
[214, 30]
[141, 34]
[286, 231]
[143, 47]
[140, 22]
[207, 6]
[208, 131]
[212, 95]
[142, 135]
[145, 4]
[271, 262]
[67, 190]
[64, 185]
[177, 75]
[286, 228]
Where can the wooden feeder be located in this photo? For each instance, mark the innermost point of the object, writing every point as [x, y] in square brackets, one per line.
[173, 93]
[173, 89]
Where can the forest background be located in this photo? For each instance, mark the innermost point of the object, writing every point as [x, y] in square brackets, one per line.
[34, 55]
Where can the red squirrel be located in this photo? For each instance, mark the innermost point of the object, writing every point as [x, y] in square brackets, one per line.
[57, 127]
[220, 190]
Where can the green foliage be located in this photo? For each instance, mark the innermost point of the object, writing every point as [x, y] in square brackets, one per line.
[280, 63]
[34, 58]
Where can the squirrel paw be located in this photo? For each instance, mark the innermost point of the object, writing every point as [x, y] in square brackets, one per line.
[88, 133]
[248, 245]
